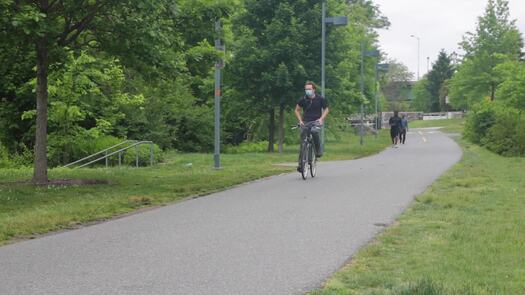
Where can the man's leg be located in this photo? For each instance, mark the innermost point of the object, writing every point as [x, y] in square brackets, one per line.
[317, 142]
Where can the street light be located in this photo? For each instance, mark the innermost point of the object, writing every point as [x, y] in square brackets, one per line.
[379, 68]
[335, 21]
[418, 43]
[372, 53]
[218, 66]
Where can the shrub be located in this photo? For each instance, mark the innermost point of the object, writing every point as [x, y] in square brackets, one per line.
[498, 127]
[507, 135]
[479, 120]
[4, 157]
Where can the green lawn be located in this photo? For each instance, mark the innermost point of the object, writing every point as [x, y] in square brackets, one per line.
[450, 125]
[26, 210]
[464, 235]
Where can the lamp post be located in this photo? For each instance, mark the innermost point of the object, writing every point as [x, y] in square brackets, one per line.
[418, 47]
[218, 66]
[373, 53]
[379, 68]
[335, 21]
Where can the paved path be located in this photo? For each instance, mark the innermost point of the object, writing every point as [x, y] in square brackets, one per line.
[280, 235]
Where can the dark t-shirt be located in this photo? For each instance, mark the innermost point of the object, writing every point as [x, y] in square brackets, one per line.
[395, 122]
[312, 108]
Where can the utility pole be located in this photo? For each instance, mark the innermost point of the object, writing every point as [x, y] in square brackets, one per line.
[362, 87]
[418, 47]
[335, 21]
[218, 66]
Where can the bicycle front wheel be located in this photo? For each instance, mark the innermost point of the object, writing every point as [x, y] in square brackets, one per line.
[312, 163]
[304, 161]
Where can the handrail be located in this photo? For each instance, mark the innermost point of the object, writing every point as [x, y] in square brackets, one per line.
[106, 155]
[121, 150]
[102, 151]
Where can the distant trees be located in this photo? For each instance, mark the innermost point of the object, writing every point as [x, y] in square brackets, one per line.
[490, 83]
[495, 41]
[430, 92]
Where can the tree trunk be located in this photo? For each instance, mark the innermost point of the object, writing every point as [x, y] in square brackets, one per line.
[271, 130]
[281, 128]
[40, 168]
[492, 91]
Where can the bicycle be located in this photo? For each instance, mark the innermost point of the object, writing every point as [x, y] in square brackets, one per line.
[307, 152]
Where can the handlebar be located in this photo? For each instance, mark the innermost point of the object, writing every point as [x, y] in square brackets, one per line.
[308, 125]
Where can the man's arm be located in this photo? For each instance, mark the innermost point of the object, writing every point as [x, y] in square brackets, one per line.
[298, 114]
[323, 116]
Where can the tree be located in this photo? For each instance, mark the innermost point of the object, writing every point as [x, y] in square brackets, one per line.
[278, 48]
[442, 70]
[52, 27]
[274, 54]
[512, 89]
[495, 41]
[421, 101]
[397, 83]
[145, 35]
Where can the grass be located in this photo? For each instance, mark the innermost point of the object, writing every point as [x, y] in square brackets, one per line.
[464, 235]
[26, 211]
[449, 125]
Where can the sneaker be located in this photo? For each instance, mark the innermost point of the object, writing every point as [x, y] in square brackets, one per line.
[318, 155]
[299, 169]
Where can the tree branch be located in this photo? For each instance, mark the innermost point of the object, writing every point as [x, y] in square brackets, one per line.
[72, 32]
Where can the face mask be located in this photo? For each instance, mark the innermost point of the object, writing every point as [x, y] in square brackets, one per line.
[309, 93]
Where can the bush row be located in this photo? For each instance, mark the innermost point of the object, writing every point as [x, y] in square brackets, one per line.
[498, 127]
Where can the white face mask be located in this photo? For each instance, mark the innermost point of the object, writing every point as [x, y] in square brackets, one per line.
[309, 92]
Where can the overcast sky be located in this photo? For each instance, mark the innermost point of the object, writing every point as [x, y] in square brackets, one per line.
[438, 24]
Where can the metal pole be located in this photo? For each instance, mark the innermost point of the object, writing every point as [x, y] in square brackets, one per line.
[418, 58]
[137, 156]
[362, 84]
[106, 154]
[119, 159]
[323, 52]
[217, 150]
[377, 100]
[428, 63]
[418, 46]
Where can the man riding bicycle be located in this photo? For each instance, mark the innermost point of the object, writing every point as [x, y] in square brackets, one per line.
[314, 109]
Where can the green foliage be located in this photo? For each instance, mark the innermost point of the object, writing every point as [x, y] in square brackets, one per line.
[396, 87]
[144, 69]
[512, 89]
[421, 101]
[496, 40]
[4, 157]
[498, 127]
[479, 121]
[441, 71]
[507, 136]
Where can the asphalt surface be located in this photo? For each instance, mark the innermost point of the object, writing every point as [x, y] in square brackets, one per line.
[279, 235]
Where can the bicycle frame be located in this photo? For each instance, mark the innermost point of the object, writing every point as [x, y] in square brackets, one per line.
[307, 153]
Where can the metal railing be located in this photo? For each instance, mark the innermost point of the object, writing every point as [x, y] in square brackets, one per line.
[106, 153]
